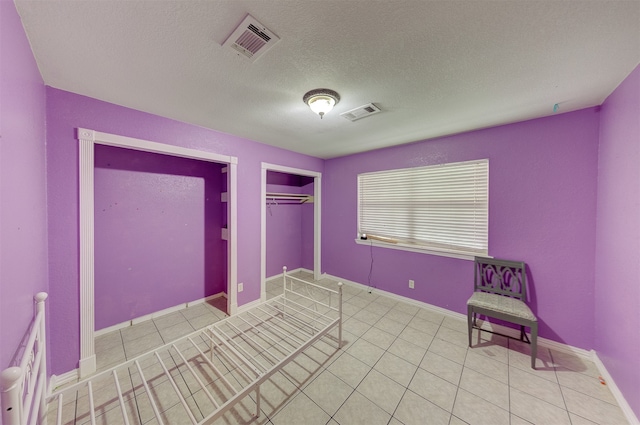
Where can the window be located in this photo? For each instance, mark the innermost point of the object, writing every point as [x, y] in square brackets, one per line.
[441, 208]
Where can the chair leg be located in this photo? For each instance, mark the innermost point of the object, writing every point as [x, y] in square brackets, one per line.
[534, 344]
[470, 314]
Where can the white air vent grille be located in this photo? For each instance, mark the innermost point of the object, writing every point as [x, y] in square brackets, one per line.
[251, 39]
[361, 112]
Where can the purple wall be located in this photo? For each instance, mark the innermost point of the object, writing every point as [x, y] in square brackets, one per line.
[65, 112]
[617, 288]
[157, 233]
[289, 225]
[542, 177]
[23, 224]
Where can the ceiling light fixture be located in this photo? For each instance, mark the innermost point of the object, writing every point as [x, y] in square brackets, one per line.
[321, 101]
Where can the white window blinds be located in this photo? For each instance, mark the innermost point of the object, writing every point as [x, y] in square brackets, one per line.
[441, 207]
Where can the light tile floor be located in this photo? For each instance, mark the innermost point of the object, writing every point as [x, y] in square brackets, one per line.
[401, 364]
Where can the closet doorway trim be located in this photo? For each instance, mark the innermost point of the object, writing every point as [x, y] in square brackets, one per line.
[87, 140]
[317, 202]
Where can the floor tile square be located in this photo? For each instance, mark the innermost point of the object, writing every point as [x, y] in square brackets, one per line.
[328, 392]
[537, 411]
[430, 315]
[358, 410]
[416, 337]
[396, 368]
[476, 411]
[448, 350]
[301, 410]
[485, 387]
[134, 332]
[407, 351]
[454, 337]
[424, 325]
[535, 386]
[435, 389]
[415, 410]
[389, 325]
[381, 390]
[487, 366]
[365, 352]
[442, 367]
[379, 337]
[349, 369]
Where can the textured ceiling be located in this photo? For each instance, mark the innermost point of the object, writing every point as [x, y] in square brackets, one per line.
[433, 67]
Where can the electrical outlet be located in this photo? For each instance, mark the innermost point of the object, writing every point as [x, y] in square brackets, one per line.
[411, 284]
[240, 287]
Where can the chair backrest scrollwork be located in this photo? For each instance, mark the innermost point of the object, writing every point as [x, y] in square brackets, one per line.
[501, 277]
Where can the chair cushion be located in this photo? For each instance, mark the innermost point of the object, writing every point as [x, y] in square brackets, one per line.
[502, 304]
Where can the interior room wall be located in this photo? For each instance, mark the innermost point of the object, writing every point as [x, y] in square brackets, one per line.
[157, 233]
[23, 223]
[542, 202]
[289, 225]
[67, 111]
[617, 281]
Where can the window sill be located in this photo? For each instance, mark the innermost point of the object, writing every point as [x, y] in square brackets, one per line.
[415, 248]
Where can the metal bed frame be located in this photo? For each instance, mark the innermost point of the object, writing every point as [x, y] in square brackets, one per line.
[222, 363]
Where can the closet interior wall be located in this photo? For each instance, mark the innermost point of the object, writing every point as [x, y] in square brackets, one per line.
[158, 233]
[289, 222]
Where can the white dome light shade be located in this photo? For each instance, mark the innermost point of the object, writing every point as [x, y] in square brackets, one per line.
[321, 101]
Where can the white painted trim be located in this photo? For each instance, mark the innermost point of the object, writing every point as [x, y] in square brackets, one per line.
[87, 140]
[249, 305]
[542, 342]
[113, 328]
[416, 248]
[157, 314]
[87, 362]
[317, 228]
[317, 220]
[232, 242]
[57, 381]
[617, 394]
[289, 272]
[263, 233]
[155, 147]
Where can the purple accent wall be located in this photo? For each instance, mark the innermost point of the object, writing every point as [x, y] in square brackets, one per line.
[542, 180]
[65, 112]
[157, 233]
[617, 284]
[289, 225]
[23, 223]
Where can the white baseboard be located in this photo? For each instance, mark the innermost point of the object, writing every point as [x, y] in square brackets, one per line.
[57, 381]
[617, 394]
[156, 314]
[542, 342]
[279, 275]
[249, 305]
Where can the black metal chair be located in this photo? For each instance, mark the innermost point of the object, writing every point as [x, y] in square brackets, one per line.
[500, 291]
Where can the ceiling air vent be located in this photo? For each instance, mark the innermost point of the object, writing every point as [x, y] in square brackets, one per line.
[251, 39]
[361, 112]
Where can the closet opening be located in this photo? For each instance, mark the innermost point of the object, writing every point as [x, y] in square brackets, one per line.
[158, 235]
[290, 213]
[164, 214]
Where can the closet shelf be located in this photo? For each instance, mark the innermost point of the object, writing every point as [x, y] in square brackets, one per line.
[299, 198]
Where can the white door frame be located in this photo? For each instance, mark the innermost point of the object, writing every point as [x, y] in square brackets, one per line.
[88, 139]
[317, 203]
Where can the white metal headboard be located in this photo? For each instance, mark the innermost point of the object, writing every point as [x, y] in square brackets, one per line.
[24, 387]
